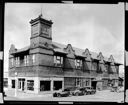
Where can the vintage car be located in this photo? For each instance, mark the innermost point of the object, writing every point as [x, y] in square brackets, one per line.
[65, 92]
[79, 91]
[90, 90]
[61, 93]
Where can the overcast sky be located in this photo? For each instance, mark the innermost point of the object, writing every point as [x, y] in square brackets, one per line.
[98, 27]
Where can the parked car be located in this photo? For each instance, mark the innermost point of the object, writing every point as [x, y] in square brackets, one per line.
[90, 90]
[62, 93]
[84, 91]
[65, 92]
[79, 91]
[72, 89]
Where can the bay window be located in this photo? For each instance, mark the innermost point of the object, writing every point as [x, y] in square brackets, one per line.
[26, 60]
[17, 61]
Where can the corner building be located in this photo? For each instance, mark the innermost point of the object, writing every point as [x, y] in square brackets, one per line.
[47, 66]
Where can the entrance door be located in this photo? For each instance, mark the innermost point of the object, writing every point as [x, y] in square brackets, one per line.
[21, 84]
[94, 84]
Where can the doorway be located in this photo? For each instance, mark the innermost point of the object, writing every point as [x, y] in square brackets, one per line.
[94, 84]
[45, 85]
[21, 84]
[57, 85]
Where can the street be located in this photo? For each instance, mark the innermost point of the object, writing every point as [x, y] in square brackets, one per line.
[104, 96]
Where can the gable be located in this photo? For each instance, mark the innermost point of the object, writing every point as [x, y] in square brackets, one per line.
[111, 59]
[100, 57]
[70, 51]
[87, 54]
[12, 49]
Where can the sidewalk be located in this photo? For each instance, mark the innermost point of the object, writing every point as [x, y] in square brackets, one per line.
[21, 94]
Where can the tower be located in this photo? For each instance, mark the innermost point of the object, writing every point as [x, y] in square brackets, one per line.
[41, 32]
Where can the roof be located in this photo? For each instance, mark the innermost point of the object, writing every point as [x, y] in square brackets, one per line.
[22, 49]
[78, 51]
[57, 47]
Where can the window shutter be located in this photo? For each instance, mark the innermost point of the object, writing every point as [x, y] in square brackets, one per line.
[55, 60]
[27, 59]
[75, 63]
[61, 60]
[81, 63]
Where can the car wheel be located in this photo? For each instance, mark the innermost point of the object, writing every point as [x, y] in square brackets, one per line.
[85, 93]
[59, 95]
[76, 94]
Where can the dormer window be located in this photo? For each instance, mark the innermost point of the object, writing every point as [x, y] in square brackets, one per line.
[12, 62]
[26, 60]
[33, 58]
[17, 61]
[58, 61]
[78, 63]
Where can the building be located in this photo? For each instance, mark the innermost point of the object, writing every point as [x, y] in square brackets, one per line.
[46, 66]
[5, 81]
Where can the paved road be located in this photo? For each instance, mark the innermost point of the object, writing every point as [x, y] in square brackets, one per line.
[105, 95]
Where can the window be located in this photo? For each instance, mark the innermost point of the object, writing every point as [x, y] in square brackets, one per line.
[78, 63]
[77, 81]
[12, 62]
[58, 61]
[86, 82]
[19, 84]
[13, 83]
[30, 85]
[94, 66]
[45, 85]
[17, 61]
[26, 60]
[33, 58]
[117, 69]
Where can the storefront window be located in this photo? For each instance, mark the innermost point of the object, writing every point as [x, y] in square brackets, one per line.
[30, 85]
[45, 85]
[13, 83]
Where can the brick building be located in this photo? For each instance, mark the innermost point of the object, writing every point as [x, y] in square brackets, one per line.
[46, 66]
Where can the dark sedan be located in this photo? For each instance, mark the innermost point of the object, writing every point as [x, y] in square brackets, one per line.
[79, 91]
[62, 93]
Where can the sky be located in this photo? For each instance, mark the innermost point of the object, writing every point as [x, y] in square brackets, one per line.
[98, 27]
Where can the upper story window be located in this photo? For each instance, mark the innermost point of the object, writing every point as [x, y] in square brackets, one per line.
[78, 63]
[58, 61]
[12, 61]
[95, 66]
[17, 61]
[26, 60]
[33, 58]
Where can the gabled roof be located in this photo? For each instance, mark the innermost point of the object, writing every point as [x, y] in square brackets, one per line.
[22, 49]
[57, 47]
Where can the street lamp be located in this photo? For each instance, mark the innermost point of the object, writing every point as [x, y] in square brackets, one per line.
[15, 84]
